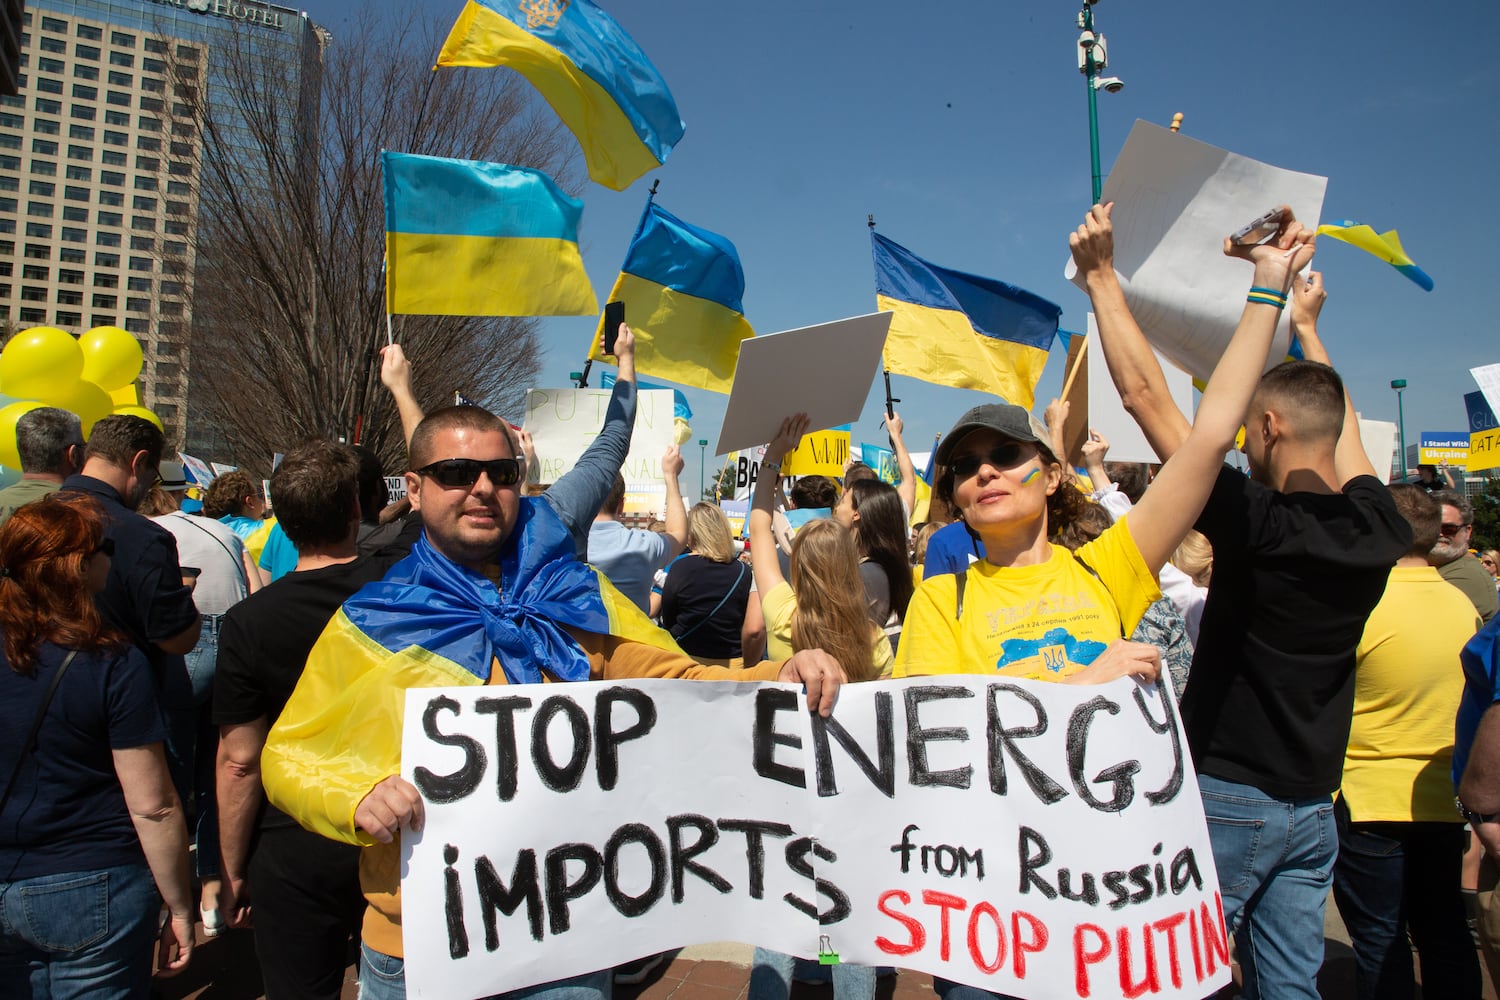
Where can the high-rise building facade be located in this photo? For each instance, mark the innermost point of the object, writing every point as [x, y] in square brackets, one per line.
[101, 162]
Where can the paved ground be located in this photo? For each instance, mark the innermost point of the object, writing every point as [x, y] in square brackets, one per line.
[225, 969]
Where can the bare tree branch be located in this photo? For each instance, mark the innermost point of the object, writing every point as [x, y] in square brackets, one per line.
[289, 299]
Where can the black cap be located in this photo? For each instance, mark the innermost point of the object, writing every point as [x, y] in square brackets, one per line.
[1003, 418]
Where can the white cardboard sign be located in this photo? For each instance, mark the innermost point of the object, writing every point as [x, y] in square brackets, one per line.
[1175, 200]
[824, 371]
[1488, 378]
[564, 422]
[1009, 834]
[1107, 414]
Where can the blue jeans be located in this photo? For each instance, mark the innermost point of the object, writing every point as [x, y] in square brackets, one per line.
[1395, 878]
[1275, 860]
[383, 977]
[771, 975]
[80, 934]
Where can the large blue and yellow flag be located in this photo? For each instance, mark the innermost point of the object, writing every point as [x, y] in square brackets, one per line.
[1385, 246]
[593, 74]
[682, 287]
[958, 329]
[467, 238]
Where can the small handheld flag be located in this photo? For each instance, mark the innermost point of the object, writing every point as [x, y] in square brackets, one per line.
[1386, 246]
[682, 287]
[467, 238]
[958, 329]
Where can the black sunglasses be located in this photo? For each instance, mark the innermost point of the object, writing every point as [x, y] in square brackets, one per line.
[452, 473]
[1002, 456]
[106, 546]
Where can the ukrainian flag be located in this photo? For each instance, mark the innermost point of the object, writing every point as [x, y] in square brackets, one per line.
[1386, 246]
[682, 286]
[466, 238]
[958, 329]
[433, 623]
[593, 74]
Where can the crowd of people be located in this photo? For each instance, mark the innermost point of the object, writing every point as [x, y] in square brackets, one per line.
[201, 713]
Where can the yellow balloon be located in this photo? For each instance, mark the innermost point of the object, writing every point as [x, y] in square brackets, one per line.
[8, 417]
[40, 362]
[90, 402]
[111, 357]
[134, 411]
[125, 395]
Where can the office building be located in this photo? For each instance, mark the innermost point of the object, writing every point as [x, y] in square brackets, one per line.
[101, 162]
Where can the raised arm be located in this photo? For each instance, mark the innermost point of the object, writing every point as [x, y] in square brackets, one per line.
[677, 520]
[907, 488]
[1176, 497]
[395, 375]
[1056, 419]
[762, 543]
[1308, 296]
[1132, 364]
[581, 491]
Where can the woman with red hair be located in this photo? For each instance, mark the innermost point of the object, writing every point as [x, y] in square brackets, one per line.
[90, 827]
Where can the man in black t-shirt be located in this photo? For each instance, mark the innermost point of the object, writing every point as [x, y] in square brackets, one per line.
[1302, 549]
[305, 888]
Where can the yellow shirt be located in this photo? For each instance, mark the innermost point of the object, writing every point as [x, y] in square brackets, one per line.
[1041, 622]
[780, 604]
[1406, 692]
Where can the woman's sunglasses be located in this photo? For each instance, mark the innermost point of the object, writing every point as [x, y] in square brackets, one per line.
[452, 473]
[1002, 456]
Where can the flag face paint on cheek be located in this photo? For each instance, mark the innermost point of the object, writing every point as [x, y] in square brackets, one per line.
[1031, 475]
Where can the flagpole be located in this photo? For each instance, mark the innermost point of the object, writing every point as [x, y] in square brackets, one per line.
[1077, 364]
[890, 410]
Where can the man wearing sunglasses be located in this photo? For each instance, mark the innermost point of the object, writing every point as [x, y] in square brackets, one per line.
[492, 594]
[1451, 554]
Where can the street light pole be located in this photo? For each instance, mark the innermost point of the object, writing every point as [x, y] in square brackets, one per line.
[702, 465]
[1088, 42]
[1093, 56]
[1399, 384]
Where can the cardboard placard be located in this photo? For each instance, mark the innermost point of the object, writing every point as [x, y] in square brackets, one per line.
[1010, 834]
[564, 422]
[824, 371]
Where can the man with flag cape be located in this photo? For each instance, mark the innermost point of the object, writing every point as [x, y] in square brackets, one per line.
[492, 594]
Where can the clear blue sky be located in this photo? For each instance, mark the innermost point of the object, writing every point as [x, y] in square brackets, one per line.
[963, 128]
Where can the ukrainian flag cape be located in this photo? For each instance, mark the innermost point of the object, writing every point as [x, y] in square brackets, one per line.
[593, 74]
[433, 623]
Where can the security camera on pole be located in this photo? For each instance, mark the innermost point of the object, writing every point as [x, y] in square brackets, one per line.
[1093, 56]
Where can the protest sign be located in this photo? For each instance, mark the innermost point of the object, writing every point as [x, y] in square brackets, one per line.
[395, 486]
[1175, 200]
[1107, 414]
[1488, 377]
[882, 461]
[564, 422]
[738, 513]
[199, 469]
[1379, 439]
[821, 453]
[1443, 448]
[1010, 834]
[1484, 430]
[220, 469]
[824, 371]
[746, 470]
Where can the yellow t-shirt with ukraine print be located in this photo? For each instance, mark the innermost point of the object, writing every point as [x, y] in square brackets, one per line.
[1041, 622]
